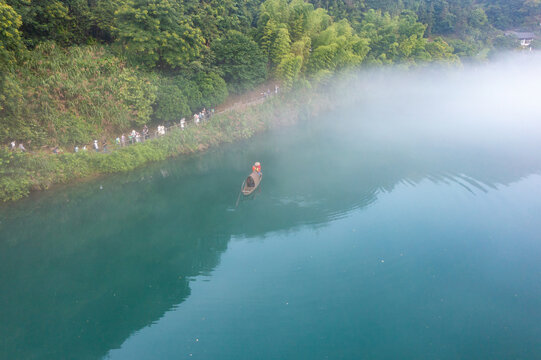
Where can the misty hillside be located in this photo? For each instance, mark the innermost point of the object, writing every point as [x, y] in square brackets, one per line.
[74, 70]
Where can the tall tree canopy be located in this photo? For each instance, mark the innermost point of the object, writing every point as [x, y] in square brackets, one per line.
[241, 61]
[10, 38]
[157, 33]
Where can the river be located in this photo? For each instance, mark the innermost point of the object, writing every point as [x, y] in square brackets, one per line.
[404, 224]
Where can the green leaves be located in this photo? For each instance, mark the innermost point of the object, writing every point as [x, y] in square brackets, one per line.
[10, 38]
[64, 21]
[280, 46]
[288, 70]
[400, 39]
[241, 61]
[138, 94]
[202, 89]
[297, 38]
[156, 33]
[337, 48]
[171, 103]
[213, 89]
[71, 96]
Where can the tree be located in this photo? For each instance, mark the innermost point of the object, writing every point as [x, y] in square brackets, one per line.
[267, 37]
[478, 18]
[288, 70]
[102, 18]
[394, 38]
[216, 17]
[504, 14]
[317, 21]
[302, 48]
[275, 10]
[138, 94]
[299, 12]
[279, 22]
[66, 22]
[281, 46]
[532, 12]
[156, 33]
[441, 51]
[241, 61]
[190, 88]
[10, 38]
[340, 9]
[171, 104]
[336, 48]
[213, 88]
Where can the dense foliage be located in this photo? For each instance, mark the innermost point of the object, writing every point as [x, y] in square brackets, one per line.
[156, 33]
[240, 60]
[10, 39]
[77, 70]
[70, 96]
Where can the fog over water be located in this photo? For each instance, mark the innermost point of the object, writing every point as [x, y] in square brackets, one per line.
[476, 105]
[402, 223]
[466, 120]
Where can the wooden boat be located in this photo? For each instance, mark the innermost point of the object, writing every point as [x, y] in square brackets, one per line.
[251, 183]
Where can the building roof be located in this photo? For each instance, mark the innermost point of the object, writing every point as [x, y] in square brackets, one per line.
[521, 35]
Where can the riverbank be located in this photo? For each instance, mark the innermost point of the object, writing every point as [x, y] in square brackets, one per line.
[22, 173]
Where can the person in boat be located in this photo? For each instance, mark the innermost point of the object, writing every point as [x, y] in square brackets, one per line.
[257, 168]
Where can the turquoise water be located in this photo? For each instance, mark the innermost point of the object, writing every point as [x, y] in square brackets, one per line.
[386, 232]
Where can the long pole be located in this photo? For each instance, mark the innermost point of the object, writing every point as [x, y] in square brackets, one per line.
[240, 192]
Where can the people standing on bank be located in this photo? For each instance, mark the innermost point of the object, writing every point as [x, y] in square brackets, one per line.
[96, 146]
[21, 147]
[145, 132]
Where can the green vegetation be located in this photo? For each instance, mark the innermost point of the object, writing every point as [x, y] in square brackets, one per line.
[157, 33]
[240, 60]
[72, 71]
[22, 172]
[72, 95]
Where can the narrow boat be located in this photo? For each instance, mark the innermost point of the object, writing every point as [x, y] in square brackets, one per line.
[251, 183]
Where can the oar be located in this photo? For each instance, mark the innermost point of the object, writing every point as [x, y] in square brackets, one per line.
[240, 192]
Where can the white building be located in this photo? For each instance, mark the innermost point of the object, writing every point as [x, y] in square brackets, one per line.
[525, 38]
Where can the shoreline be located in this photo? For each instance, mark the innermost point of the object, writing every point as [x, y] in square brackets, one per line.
[27, 173]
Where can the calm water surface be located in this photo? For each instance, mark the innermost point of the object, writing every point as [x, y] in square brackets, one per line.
[380, 232]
